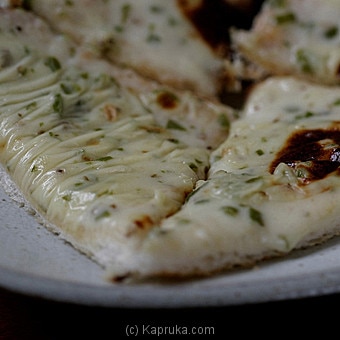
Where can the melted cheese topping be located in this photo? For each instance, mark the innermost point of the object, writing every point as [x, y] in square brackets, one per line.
[101, 161]
[120, 165]
[299, 37]
[245, 211]
[151, 36]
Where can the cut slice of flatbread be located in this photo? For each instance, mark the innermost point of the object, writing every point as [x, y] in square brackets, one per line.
[102, 154]
[150, 181]
[274, 186]
[295, 37]
[151, 36]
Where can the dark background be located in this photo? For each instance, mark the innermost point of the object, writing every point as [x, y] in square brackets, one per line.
[23, 317]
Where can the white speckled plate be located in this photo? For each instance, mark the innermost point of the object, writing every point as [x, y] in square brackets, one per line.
[36, 262]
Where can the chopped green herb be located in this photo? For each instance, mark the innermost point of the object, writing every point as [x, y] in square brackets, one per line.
[119, 28]
[183, 221]
[31, 106]
[331, 32]
[52, 134]
[80, 103]
[172, 21]
[156, 9]
[22, 70]
[223, 120]
[202, 201]
[193, 166]
[302, 173]
[104, 80]
[256, 216]
[285, 18]
[105, 193]
[27, 50]
[104, 214]
[158, 231]
[70, 88]
[229, 210]
[67, 197]
[152, 37]
[104, 159]
[174, 125]
[126, 10]
[260, 152]
[53, 63]
[58, 105]
[308, 114]
[254, 179]
[34, 168]
[173, 140]
[292, 109]
[303, 59]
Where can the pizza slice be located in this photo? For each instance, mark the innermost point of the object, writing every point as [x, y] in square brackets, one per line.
[295, 37]
[100, 153]
[153, 37]
[150, 181]
[273, 186]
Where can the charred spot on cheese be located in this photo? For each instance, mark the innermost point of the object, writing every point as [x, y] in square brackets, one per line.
[167, 100]
[145, 222]
[313, 154]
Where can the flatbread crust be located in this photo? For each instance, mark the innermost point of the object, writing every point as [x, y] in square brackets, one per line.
[102, 154]
[294, 37]
[152, 37]
[248, 209]
[150, 181]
